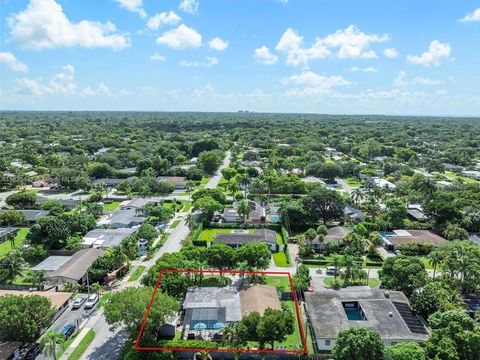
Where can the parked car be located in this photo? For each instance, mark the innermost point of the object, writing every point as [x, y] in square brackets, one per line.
[28, 352]
[331, 270]
[91, 301]
[68, 330]
[78, 302]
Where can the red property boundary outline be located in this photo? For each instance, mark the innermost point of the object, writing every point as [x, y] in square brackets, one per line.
[300, 324]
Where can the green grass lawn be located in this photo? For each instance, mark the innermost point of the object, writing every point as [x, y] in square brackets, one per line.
[371, 282]
[6, 246]
[456, 176]
[425, 260]
[82, 346]
[103, 299]
[353, 182]
[280, 282]
[209, 234]
[136, 274]
[175, 224]
[280, 259]
[112, 206]
[188, 206]
[292, 341]
[202, 183]
[66, 344]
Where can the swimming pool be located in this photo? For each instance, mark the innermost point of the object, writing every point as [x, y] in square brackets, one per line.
[275, 218]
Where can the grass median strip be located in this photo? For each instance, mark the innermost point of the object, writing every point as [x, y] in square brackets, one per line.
[82, 345]
[136, 274]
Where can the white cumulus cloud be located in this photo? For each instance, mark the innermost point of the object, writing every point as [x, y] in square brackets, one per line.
[291, 44]
[43, 25]
[135, 6]
[163, 18]
[313, 79]
[401, 80]
[436, 54]
[473, 16]
[207, 62]
[181, 38]
[390, 53]
[62, 83]
[264, 56]
[348, 43]
[369, 69]
[218, 44]
[189, 6]
[158, 57]
[354, 44]
[12, 62]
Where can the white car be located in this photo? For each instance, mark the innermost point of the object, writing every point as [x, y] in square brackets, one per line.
[77, 303]
[91, 301]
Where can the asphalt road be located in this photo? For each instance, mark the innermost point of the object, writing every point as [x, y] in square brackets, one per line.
[213, 182]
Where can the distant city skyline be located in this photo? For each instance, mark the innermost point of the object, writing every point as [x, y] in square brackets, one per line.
[331, 57]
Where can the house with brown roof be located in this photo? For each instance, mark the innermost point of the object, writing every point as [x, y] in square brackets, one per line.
[399, 237]
[59, 300]
[259, 298]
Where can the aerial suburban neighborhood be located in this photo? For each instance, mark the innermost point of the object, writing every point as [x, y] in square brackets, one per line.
[254, 179]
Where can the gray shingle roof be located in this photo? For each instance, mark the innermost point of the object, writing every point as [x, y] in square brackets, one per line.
[76, 267]
[32, 215]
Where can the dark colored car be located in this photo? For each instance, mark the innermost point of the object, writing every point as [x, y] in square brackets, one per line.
[29, 352]
[68, 330]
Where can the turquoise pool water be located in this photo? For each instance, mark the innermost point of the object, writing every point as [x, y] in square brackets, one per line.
[354, 314]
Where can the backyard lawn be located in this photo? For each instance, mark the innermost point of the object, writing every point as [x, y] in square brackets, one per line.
[292, 341]
[6, 246]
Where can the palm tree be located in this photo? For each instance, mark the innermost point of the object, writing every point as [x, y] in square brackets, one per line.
[190, 221]
[244, 179]
[232, 186]
[13, 264]
[357, 195]
[229, 335]
[50, 341]
[189, 186]
[118, 255]
[203, 355]
[349, 262]
[243, 210]
[36, 277]
[337, 262]
[435, 258]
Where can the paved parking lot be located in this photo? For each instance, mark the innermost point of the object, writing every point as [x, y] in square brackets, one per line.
[71, 316]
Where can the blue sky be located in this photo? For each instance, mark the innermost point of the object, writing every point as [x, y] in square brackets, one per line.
[341, 57]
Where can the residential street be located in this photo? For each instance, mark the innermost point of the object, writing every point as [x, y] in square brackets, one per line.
[213, 182]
